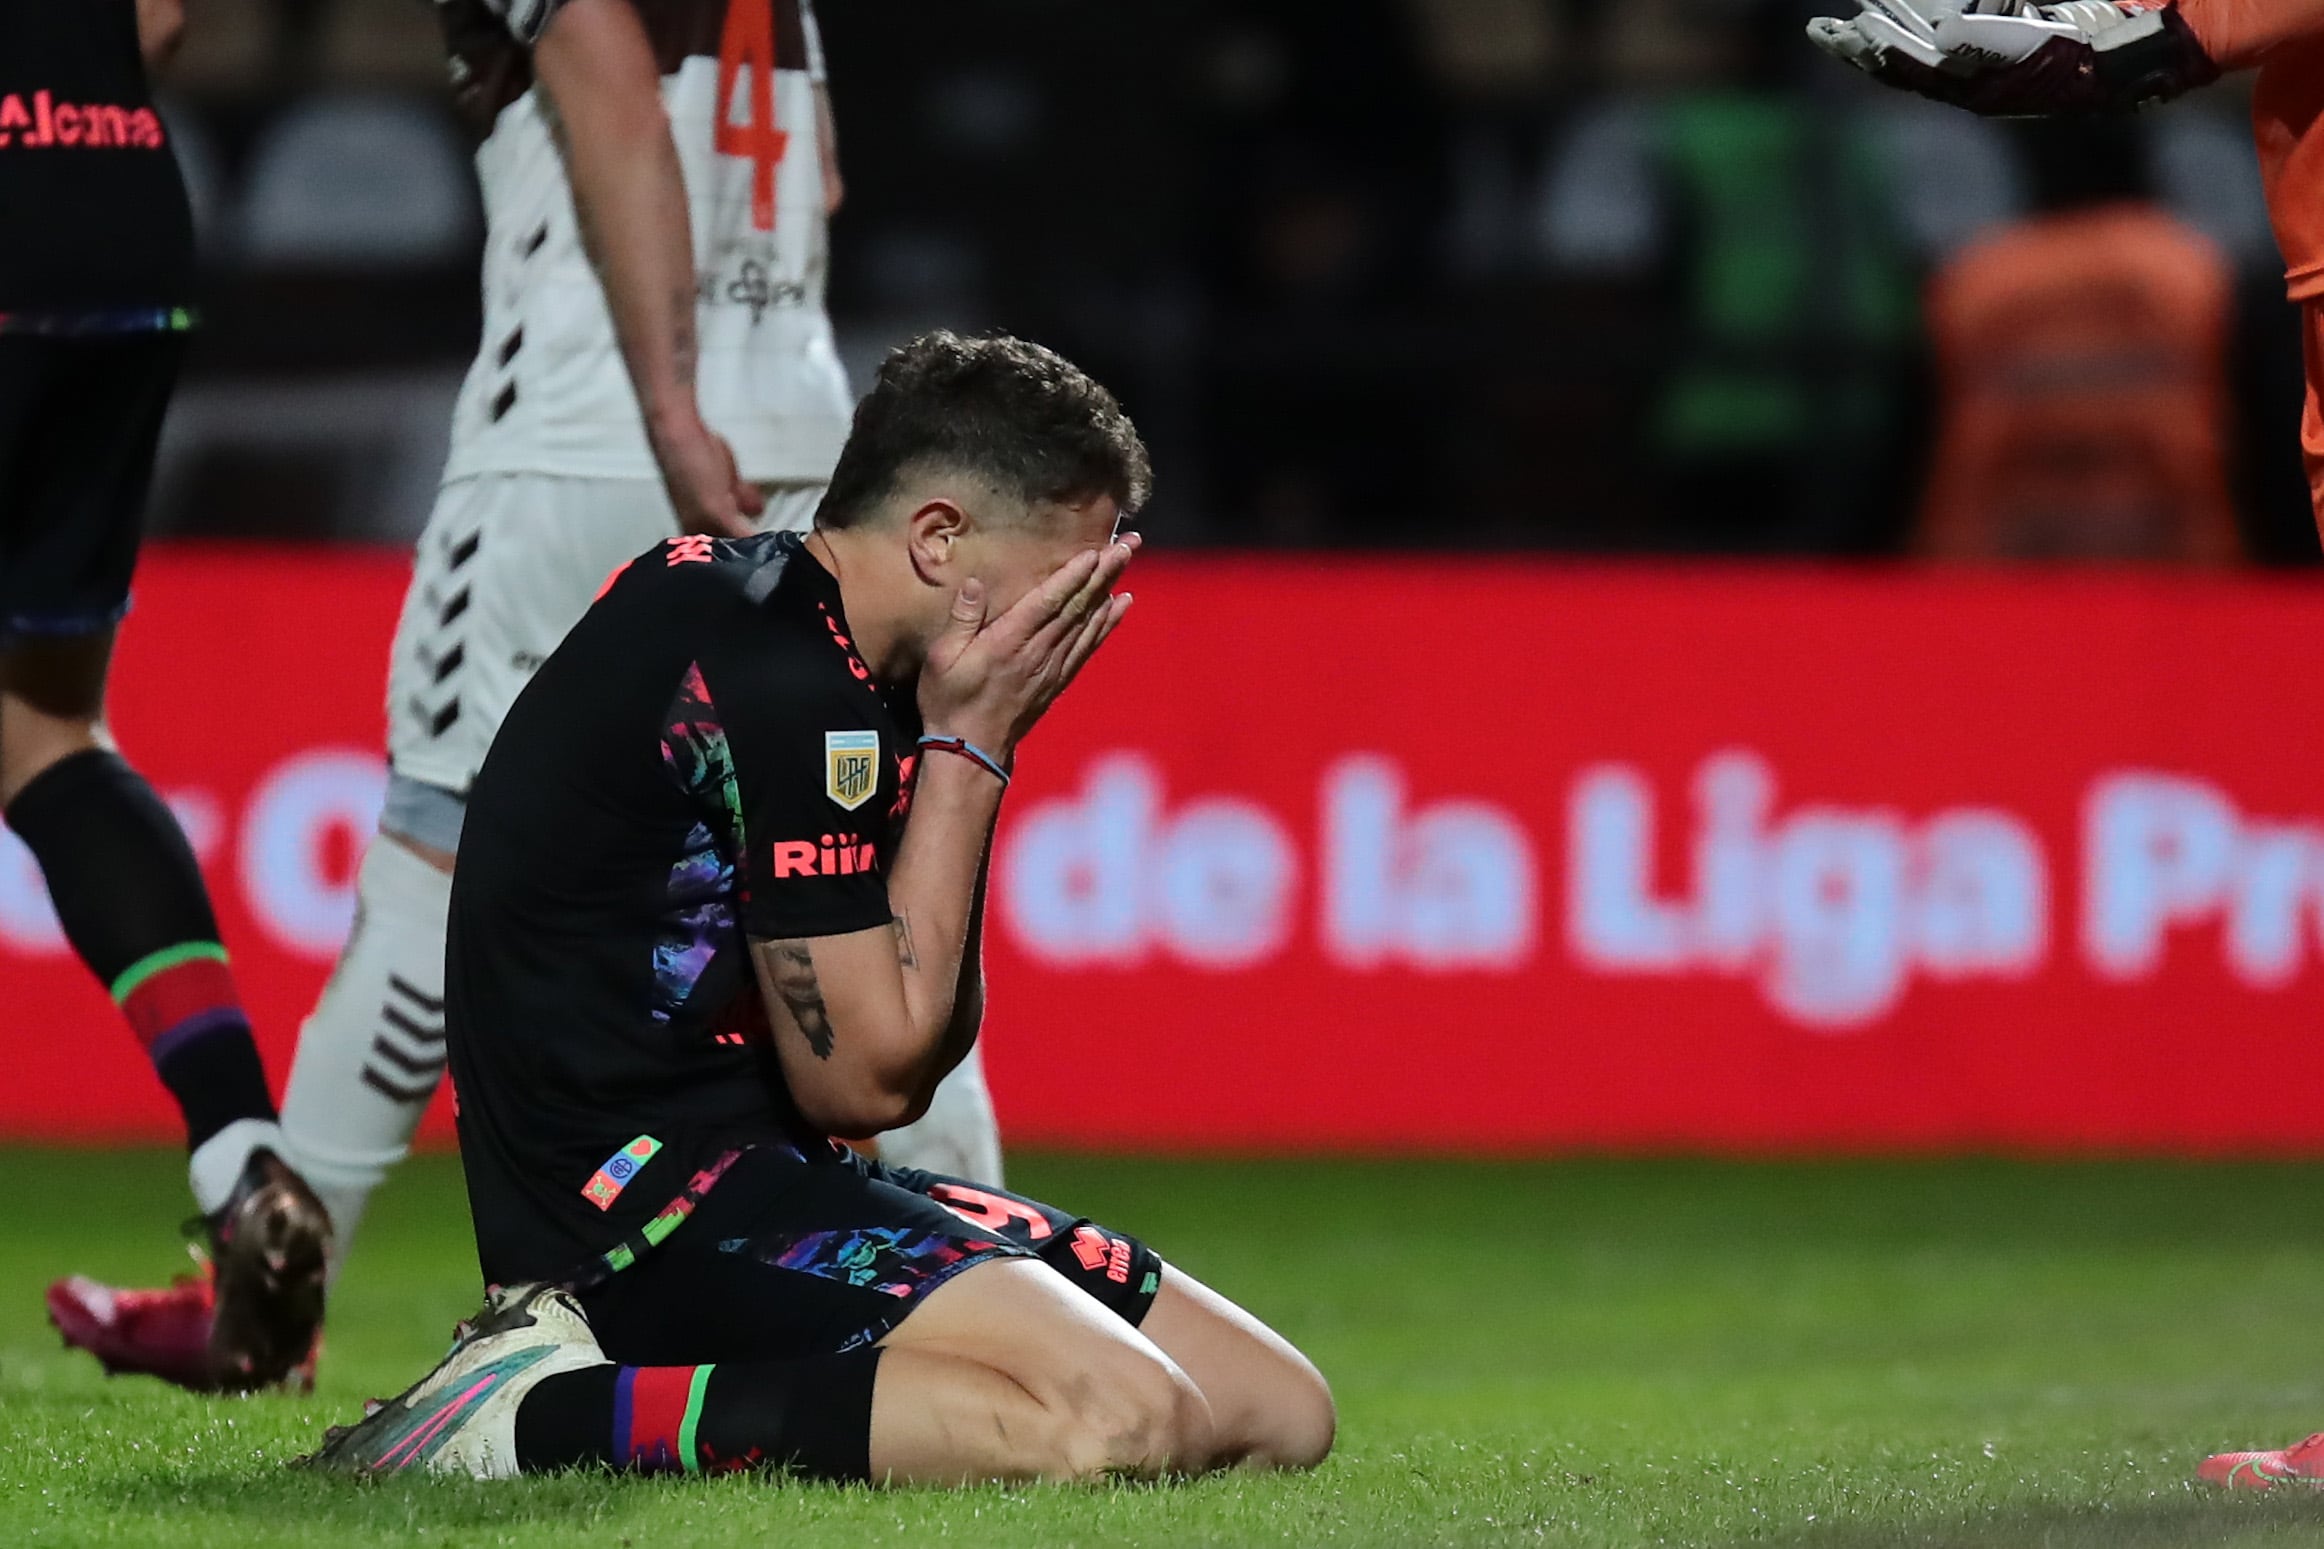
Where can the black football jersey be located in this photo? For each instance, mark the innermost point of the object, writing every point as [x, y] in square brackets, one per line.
[705, 759]
[93, 212]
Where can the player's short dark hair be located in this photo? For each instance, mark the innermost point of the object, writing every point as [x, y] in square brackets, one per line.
[1023, 418]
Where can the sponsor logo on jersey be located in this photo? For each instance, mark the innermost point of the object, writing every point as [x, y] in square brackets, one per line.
[606, 1184]
[40, 121]
[851, 767]
[837, 855]
[754, 285]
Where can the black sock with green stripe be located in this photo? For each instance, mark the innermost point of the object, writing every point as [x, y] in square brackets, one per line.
[810, 1416]
[130, 897]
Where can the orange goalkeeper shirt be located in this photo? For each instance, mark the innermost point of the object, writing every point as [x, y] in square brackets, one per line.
[2285, 39]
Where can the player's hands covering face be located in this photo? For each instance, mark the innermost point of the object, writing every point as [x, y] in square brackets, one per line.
[989, 679]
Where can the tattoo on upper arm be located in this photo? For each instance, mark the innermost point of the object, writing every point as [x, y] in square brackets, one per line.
[791, 970]
[905, 955]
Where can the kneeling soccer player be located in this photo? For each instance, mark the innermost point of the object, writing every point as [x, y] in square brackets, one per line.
[706, 786]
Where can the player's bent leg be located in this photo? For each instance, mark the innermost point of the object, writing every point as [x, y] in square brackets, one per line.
[1010, 1374]
[822, 1314]
[1270, 1407]
[826, 1315]
[1007, 1372]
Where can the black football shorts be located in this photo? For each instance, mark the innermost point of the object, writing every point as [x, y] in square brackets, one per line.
[790, 1257]
[80, 417]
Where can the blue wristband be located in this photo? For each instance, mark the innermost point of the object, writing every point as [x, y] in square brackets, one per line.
[970, 751]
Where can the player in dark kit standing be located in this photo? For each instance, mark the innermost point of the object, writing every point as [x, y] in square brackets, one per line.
[96, 257]
[693, 935]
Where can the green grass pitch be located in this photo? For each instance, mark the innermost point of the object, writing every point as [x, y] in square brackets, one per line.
[1592, 1353]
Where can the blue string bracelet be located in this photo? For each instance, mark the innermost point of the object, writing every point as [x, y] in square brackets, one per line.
[970, 751]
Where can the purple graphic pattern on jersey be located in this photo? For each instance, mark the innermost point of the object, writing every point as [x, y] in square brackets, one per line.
[698, 920]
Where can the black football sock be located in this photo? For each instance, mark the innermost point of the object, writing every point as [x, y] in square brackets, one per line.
[130, 897]
[811, 1416]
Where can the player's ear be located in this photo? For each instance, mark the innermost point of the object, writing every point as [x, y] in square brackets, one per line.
[933, 534]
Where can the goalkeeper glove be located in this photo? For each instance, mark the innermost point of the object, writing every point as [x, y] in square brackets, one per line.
[2013, 58]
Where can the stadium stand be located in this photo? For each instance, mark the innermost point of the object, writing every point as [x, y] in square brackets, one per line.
[1456, 233]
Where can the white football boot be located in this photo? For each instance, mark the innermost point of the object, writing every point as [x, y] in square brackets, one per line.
[461, 1417]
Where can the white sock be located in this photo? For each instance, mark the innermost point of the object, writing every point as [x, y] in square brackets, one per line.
[958, 1135]
[371, 1054]
[218, 1162]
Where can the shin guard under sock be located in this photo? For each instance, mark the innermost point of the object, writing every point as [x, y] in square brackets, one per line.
[130, 897]
[811, 1416]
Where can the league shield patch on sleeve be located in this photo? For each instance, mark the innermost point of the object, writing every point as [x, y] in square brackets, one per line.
[851, 767]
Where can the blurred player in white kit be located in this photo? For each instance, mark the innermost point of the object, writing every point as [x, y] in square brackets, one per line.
[658, 179]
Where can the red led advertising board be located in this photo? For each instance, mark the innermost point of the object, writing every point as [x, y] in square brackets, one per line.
[1448, 855]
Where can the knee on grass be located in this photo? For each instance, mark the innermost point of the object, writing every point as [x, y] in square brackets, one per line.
[1290, 1421]
[1135, 1416]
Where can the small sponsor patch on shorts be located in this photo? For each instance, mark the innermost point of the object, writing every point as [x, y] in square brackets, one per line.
[606, 1185]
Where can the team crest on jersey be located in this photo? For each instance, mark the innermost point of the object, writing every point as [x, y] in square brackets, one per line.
[851, 767]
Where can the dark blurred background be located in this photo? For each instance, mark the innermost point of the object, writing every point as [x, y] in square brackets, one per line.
[1579, 275]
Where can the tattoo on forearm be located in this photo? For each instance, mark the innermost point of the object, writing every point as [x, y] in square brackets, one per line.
[792, 972]
[904, 951]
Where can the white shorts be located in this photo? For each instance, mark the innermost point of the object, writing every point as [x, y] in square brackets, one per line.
[508, 563]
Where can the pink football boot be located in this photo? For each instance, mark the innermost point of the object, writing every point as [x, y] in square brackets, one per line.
[251, 1319]
[2301, 1463]
[164, 1333]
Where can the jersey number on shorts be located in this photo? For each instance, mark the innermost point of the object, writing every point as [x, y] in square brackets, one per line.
[748, 49]
[993, 1212]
